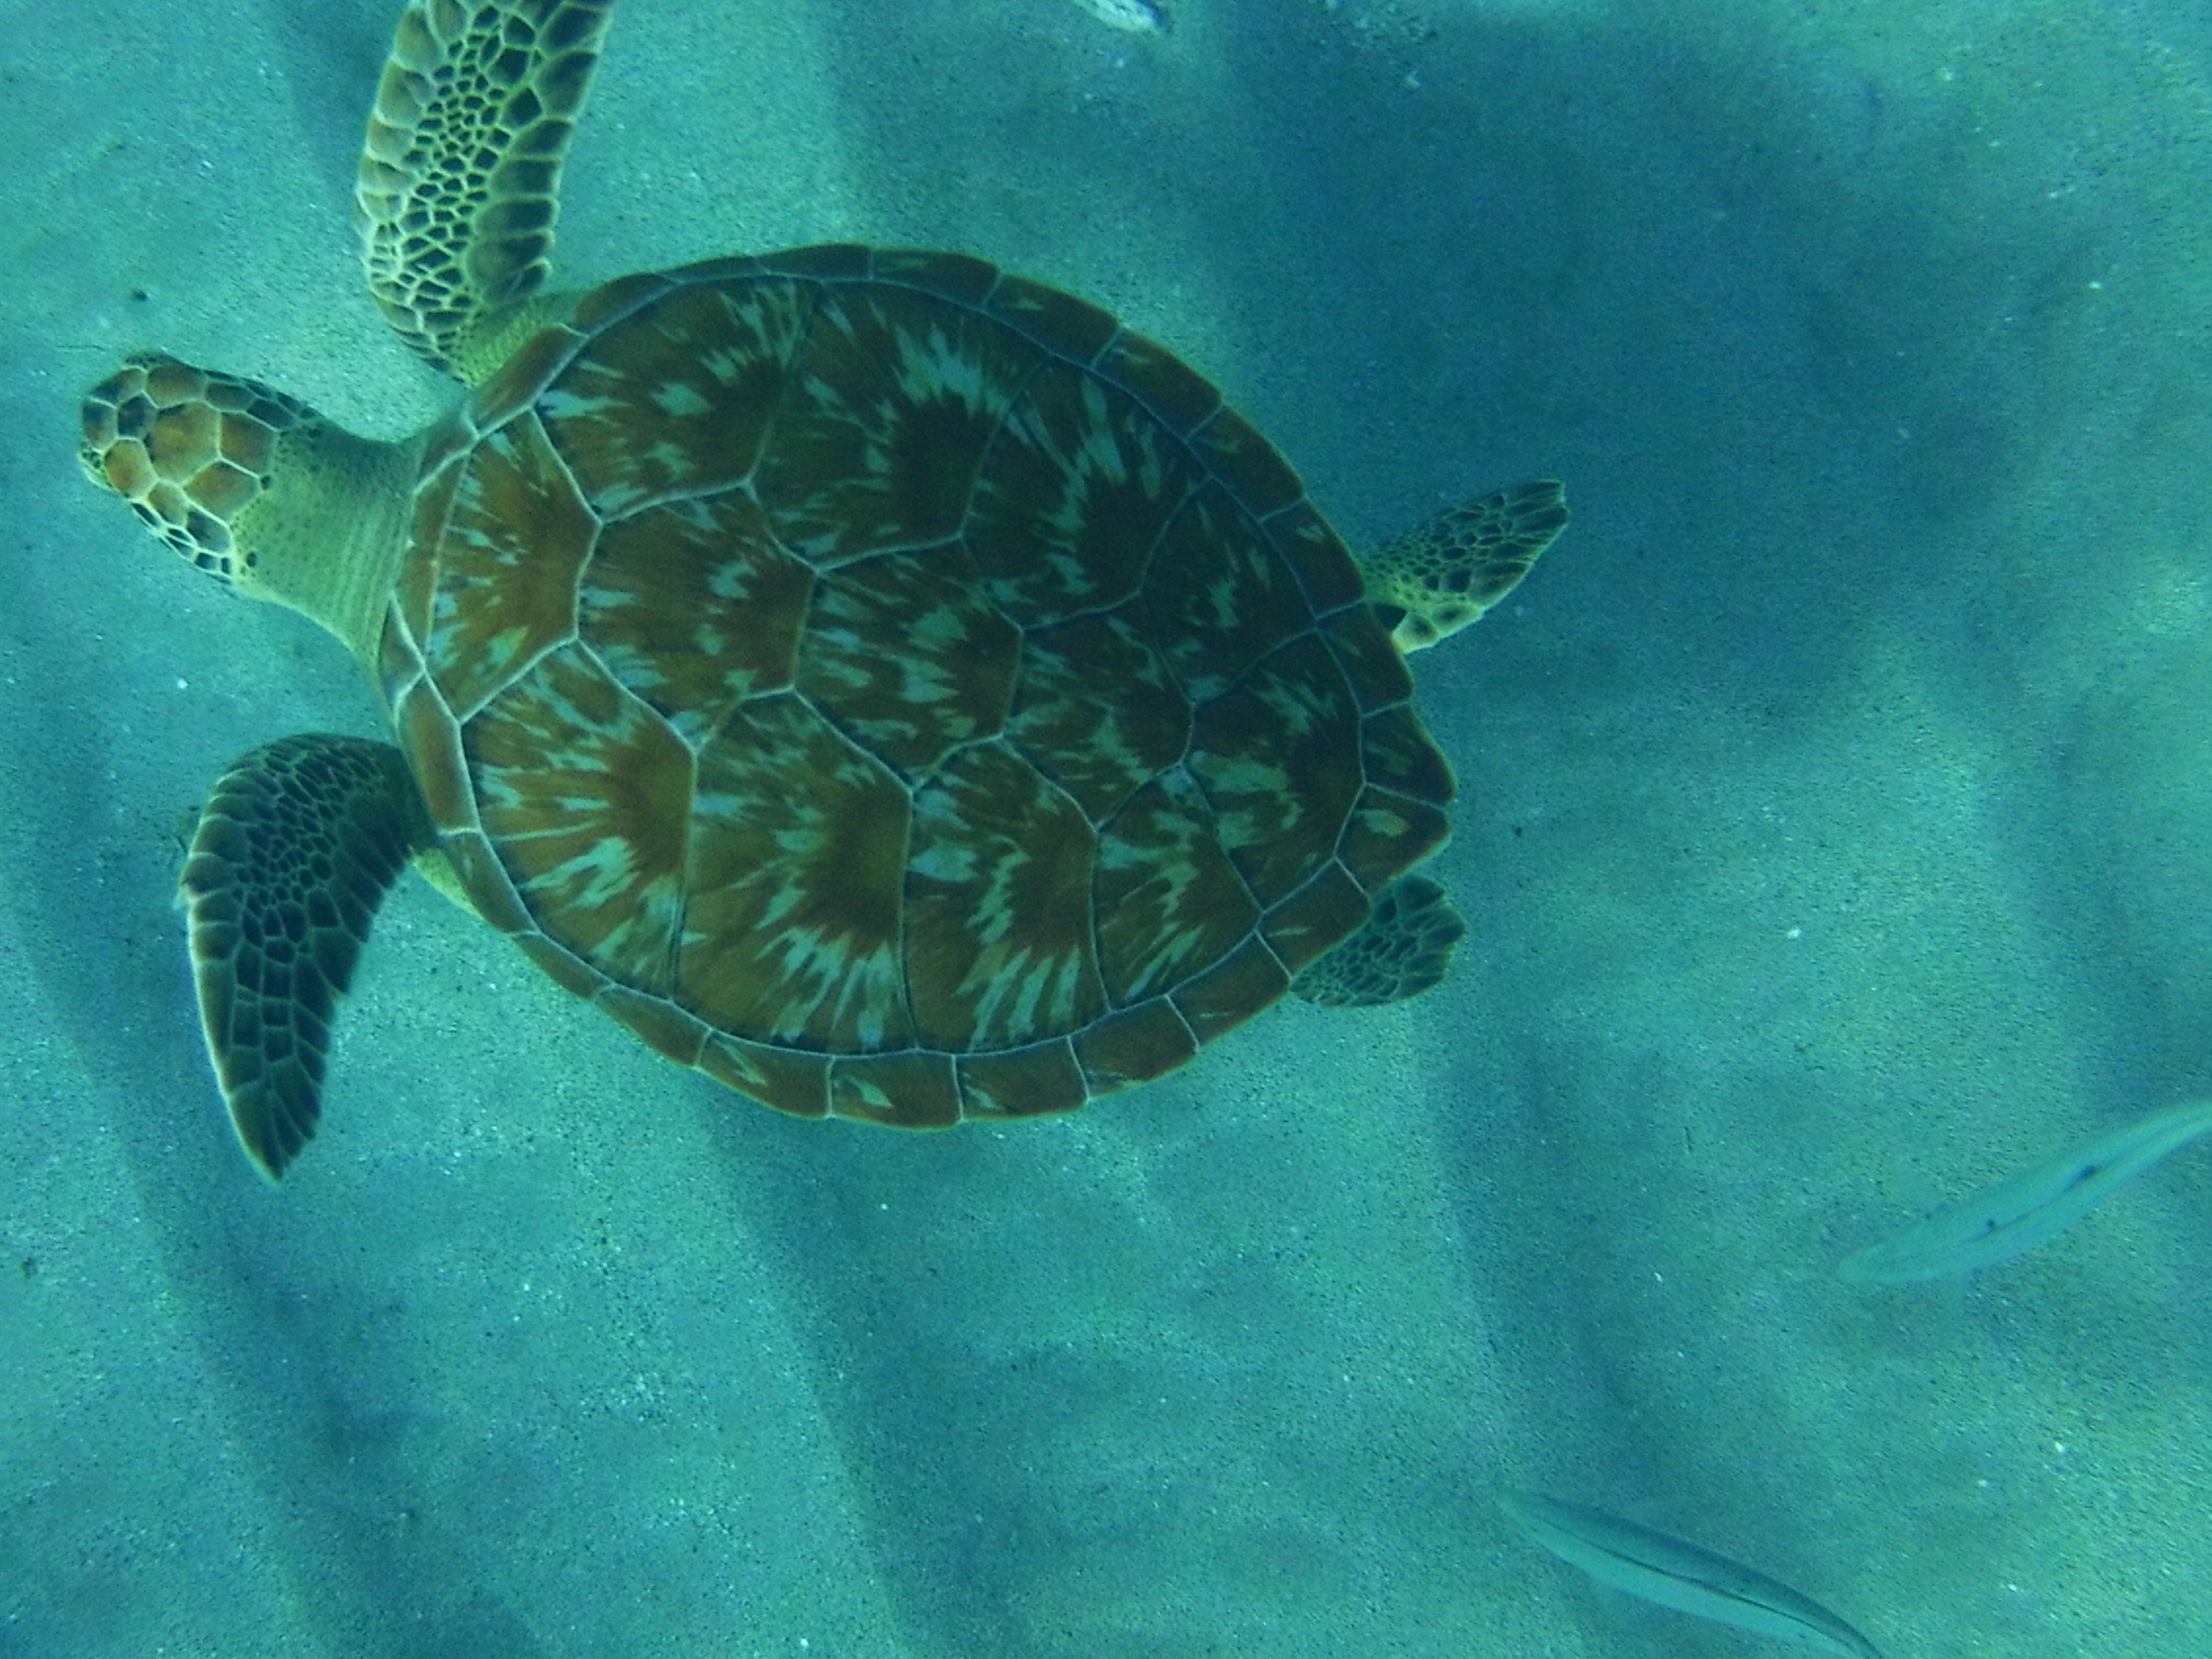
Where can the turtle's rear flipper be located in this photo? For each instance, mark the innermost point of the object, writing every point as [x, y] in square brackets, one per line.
[1440, 575]
[294, 851]
[1402, 950]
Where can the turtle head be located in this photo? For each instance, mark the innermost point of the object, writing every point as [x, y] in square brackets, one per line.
[256, 489]
[190, 450]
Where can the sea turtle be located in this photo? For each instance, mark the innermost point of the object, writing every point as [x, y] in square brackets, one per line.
[883, 683]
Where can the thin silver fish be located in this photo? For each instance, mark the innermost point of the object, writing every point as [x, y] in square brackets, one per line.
[1680, 1576]
[1138, 16]
[2027, 1208]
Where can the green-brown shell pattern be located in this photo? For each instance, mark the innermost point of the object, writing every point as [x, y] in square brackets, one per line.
[893, 688]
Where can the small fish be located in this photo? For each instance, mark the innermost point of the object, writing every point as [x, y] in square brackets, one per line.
[2027, 1208]
[1680, 1576]
[1138, 16]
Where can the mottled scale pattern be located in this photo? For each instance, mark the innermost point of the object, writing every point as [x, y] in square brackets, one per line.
[188, 449]
[894, 689]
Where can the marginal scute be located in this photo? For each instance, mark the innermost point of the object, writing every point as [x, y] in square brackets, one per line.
[1134, 1046]
[1317, 556]
[1253, 469]
[1388, 834]
[1317, 918]
[1232, 990]
[523, 379]
[1022, 1083]
[791, 1080]
[1171, 388]
[666, 1029]
[443, 454]
[959, 276]
[1073, 328]
[568, 971]
[848, 260]
[485, 879]
[415, 595]
[1398, 756]
[398, 665]
[610, 302]
[1402, 950]
[432, 744]
[904, 1091]
[1370, 662]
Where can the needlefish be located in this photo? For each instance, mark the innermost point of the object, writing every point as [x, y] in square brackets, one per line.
[1680, 1576]
[2025, 1209]
[1137, 16]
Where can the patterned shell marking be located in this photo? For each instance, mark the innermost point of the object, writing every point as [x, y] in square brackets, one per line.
[894, 689]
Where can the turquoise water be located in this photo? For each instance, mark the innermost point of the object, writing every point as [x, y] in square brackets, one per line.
[1834, 835]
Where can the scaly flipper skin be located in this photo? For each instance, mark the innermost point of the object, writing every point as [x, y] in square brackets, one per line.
[296, 848]
[460, 173]
[1445, 574]
[1402, 950]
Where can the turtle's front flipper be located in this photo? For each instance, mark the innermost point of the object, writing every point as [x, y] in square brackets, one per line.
[460, 175]
[1434, 580]
[293, 855]
[1402, 950]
